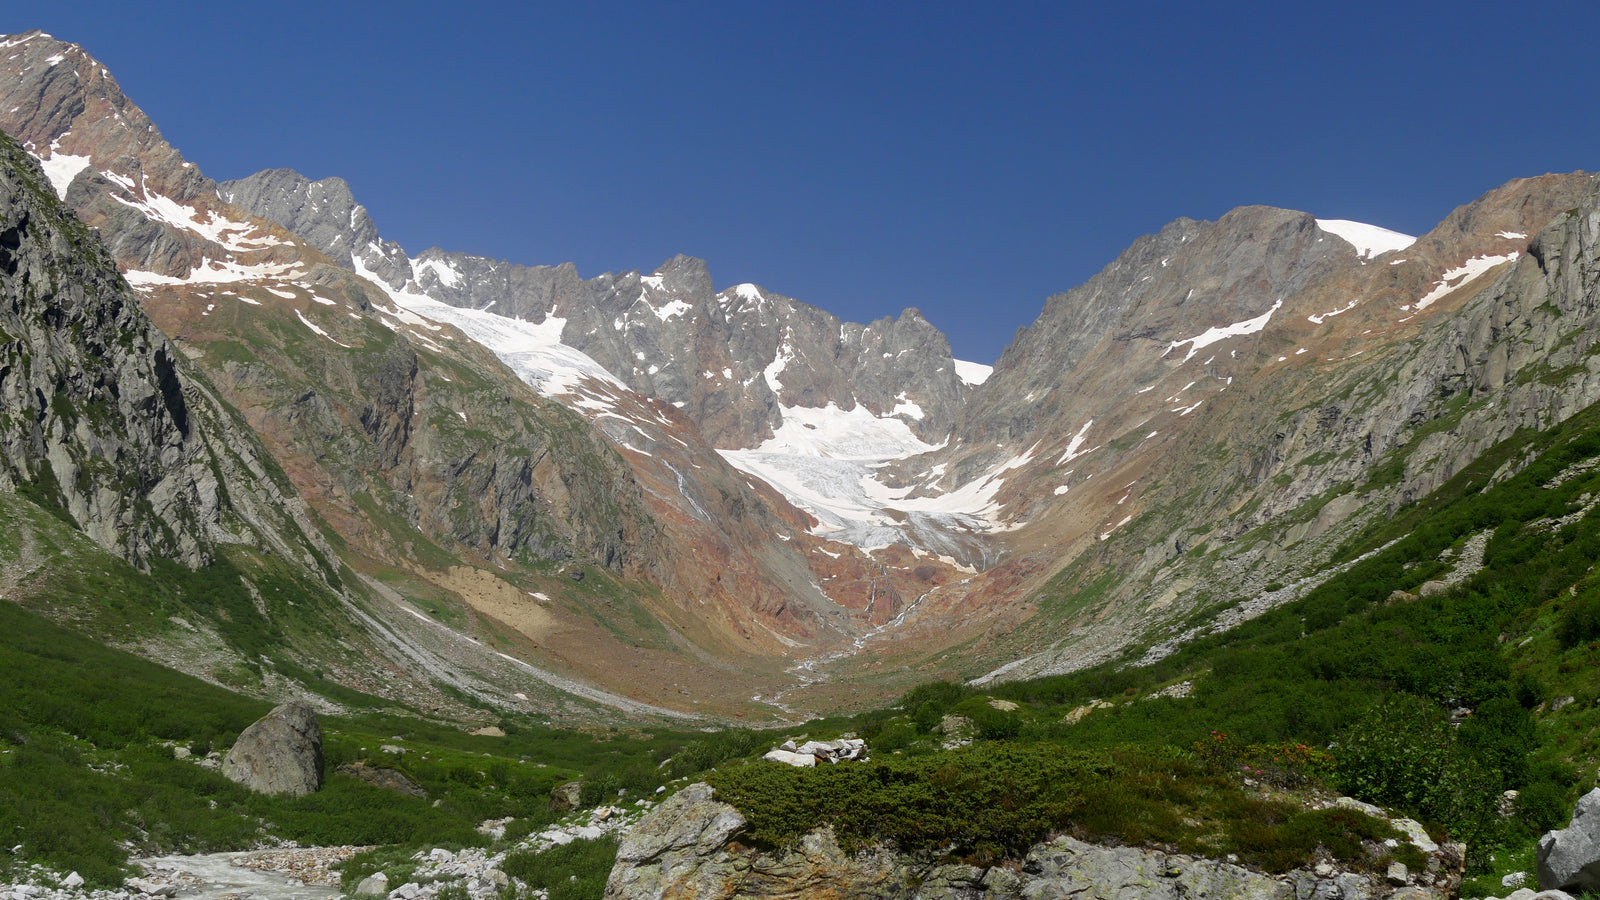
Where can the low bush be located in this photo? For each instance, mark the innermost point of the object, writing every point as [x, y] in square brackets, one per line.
[575, 871]
[992, 801]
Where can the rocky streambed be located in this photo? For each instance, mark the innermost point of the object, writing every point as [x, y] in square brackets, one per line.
[307, 873]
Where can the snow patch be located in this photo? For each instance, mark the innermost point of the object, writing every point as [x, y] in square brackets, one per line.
[61, 169]
[1460, 276]
[312, 325]
[1369, 240]
[533, 351]
[971, 372]
[1074, 446]
[906, 407]
[441, 269]
[675, 308]
[1318, 318]
[213, 271]
[828, 461]
[775, 368]
[1214, 334]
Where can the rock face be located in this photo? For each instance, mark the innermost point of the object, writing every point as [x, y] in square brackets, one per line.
[280, 754]
[103, 419]
[567, 796]
[684, 849]
[1569, 859]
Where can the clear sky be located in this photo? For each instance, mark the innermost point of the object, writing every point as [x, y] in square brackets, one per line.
[968, 159]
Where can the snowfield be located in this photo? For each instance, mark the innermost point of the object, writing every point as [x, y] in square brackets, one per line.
[1369, 240]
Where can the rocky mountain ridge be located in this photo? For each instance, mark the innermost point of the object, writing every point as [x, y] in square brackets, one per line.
[732, 360]
[421, 450]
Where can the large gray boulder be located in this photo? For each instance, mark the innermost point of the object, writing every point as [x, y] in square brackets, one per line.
[665, 854]
[280, 754]
[1569, 859]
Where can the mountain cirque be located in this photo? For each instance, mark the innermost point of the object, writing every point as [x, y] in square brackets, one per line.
[692, 496]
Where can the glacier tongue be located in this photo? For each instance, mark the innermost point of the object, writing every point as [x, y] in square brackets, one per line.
[826, 461]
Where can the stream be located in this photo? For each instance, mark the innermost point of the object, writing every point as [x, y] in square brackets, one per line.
[213, 876]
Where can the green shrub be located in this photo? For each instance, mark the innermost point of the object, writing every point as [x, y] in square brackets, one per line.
[987, 800]
[1579, 622]
[575, 871]
[713, 750]
[1542, 806]
[1404, 754]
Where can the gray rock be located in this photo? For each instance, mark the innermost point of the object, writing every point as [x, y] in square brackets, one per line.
[566, 796]
[280, 754]
[1066, 867]
[789, 757]
[376, 884]
[1398, 874]
[72, 881]
[1531, 894]
[1569, 859]
[663, 855]
[388, 779]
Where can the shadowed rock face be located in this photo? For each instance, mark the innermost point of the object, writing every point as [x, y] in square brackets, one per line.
[280, 754]
[100, 416]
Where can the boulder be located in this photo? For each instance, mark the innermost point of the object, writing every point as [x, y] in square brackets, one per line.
[833, 751]
[388, 779]
[566, 796]
[376, 884]
[1569, 859]
[665, 854]
[789, 757]
[280, 754]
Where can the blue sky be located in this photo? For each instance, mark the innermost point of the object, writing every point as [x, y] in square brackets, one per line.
[968, 159]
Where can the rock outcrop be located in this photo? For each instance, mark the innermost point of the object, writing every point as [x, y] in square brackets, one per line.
[281, 753]
[1569, 858]
[101, 417]
[664, 854]
[688, 848]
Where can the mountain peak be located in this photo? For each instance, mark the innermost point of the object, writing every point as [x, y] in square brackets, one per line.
[687, 274]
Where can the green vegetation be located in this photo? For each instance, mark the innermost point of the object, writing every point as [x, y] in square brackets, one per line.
[576, 871]
[994, 799]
